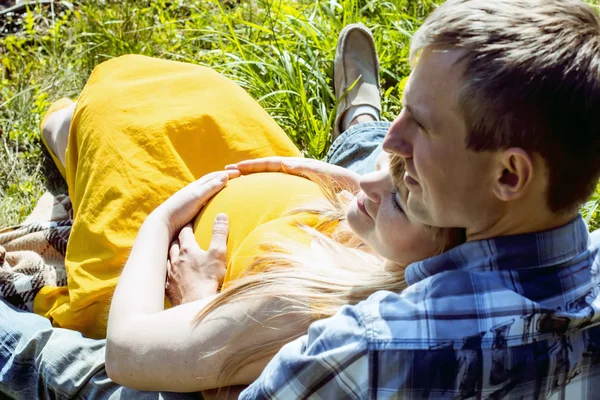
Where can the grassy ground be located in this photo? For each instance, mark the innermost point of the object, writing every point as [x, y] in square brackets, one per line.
[280, 51]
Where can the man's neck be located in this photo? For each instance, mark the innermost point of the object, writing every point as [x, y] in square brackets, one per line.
[516, 222]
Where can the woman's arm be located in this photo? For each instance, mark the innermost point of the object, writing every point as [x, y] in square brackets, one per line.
[149, 348]
[168, 351]
[301, 167]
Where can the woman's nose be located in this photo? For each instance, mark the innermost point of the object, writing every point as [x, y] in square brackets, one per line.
[398, 139]
[372, 185]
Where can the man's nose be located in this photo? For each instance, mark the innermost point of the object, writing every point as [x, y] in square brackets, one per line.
[398, 139]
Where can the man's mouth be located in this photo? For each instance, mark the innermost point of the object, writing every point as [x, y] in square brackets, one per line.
[409, 180]
[409, 174]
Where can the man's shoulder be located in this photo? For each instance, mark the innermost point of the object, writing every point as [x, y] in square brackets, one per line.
[449, 306]
[459, 304]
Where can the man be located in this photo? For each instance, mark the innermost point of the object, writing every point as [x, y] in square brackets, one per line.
[499, 134]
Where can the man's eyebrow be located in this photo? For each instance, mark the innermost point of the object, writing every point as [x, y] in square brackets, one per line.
[415, 115]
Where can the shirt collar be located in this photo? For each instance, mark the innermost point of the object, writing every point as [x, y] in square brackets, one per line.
[530, 250]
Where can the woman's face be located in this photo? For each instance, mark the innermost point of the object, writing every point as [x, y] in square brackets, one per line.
[378, 218]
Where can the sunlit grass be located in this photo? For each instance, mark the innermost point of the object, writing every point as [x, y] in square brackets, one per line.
[281, 52]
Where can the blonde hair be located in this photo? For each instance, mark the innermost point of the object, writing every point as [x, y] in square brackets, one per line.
[309, 285]
[531, 79]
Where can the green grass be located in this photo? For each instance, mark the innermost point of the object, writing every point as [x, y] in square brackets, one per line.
[281, 52]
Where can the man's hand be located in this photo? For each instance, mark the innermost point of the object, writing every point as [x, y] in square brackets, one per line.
[299, 166]
[192, 273]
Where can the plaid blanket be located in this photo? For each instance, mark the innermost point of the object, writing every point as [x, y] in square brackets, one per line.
[32, 255]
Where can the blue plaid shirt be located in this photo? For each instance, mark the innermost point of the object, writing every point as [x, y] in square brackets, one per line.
[511, 317]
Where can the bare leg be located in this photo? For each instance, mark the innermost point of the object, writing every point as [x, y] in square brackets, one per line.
[56, 131]
[359, 119]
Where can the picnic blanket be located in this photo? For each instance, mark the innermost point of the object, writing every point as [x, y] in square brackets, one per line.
[32, 254]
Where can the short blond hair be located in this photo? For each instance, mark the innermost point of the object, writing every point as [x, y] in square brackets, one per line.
[531, 80]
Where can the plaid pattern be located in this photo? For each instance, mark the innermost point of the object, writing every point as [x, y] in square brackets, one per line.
[32, 255]
[513, 317]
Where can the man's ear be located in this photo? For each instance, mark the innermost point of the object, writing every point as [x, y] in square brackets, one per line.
[514, 174]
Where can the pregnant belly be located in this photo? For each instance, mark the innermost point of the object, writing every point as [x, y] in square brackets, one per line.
[251, 201]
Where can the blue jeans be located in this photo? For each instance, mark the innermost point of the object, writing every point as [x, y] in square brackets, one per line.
[38, 361]
[357, 148]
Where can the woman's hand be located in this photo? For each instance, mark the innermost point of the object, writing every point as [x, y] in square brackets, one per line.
[180, 208]
[301, 167]
[141, 288]
[192, 273]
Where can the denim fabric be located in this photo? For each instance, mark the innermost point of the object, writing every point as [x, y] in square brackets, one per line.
[38, 361]
[358, 147]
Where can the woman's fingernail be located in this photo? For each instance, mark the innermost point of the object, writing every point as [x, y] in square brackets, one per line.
[221, 218]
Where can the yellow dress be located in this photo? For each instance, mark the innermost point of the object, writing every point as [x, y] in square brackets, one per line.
[142, 129]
